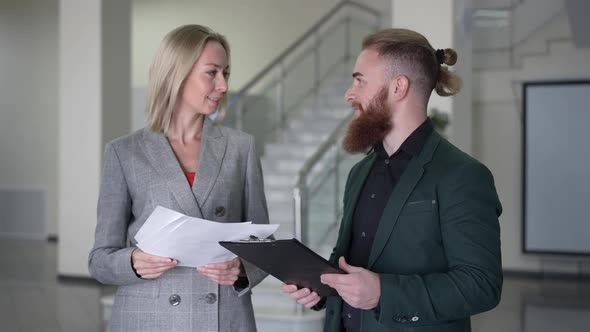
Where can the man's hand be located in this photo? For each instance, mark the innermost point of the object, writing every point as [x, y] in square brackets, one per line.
[150, 266]
[225, 273]
[302, 296]
[360, 288]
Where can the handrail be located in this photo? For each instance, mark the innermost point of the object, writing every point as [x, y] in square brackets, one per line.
[309, 33]
[300, 191]
[319, 153]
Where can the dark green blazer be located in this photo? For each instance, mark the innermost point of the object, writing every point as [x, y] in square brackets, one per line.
[437, 247]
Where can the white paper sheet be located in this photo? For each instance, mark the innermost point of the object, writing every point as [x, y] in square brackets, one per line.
[193, 241]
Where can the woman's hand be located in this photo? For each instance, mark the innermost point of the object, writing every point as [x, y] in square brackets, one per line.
[224, 273]
[150, 266]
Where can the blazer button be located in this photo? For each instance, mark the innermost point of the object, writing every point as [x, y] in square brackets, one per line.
[210, 298]
[174, 299]
[219, 211]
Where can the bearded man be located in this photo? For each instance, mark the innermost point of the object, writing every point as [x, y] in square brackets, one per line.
[420, 237]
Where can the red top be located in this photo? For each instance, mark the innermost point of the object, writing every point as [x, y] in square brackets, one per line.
[190, 176]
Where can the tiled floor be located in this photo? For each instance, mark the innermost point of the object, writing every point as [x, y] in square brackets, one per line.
[33, 299]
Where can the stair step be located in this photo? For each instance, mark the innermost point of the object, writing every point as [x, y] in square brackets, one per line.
[275, 150]
[330, 115]
[309, 321]
[275, 179]
[306, 137]
[309, 125]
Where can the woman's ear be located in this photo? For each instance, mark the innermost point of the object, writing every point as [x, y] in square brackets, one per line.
[398, 88]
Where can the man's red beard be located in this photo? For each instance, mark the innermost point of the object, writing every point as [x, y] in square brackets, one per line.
[370, 127]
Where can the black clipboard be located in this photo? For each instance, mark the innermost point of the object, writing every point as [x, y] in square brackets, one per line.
[288, 260]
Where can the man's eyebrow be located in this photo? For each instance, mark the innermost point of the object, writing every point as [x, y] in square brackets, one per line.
[356, 74]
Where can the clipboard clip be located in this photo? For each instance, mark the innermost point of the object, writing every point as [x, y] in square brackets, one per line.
[255, 239]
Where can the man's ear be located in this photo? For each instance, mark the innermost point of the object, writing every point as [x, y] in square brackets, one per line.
[399, 87]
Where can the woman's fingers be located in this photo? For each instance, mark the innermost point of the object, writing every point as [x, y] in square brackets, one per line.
[151, 276]
[228, 265]
[223, 273]
[222, 280]
[150, 266]
[217, 272]
[160, 270]
[141, 256]
[142, 265]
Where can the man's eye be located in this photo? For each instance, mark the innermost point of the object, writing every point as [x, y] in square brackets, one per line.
[212, 73]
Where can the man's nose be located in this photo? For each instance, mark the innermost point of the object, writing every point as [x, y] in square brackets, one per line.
[349, 95]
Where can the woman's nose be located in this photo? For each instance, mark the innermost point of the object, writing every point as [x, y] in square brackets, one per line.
[222, 85]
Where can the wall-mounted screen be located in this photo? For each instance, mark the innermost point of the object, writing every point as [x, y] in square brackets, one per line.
[556, 167]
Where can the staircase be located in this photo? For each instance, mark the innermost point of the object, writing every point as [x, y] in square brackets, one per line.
[504, 37]
[303, 134]
[294, 107]
[281, 164]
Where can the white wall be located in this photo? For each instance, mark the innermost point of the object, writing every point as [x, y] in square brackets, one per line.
[28, 99]
[79, 131]
[498, 137]
[446, 25]
[257, 30]
[435, 23]
[94, 84]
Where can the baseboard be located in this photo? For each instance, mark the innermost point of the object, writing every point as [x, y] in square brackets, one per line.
[84, 281]
[545, 275]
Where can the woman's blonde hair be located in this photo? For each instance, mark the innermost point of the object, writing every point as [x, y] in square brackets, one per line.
[172, 63]
[409, 53]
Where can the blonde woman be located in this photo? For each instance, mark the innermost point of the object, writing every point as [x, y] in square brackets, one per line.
[185, 162]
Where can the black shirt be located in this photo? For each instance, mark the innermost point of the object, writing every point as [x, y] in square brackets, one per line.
[382, 179]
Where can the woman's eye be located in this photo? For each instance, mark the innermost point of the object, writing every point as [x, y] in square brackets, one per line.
[212, 73]
[226, 74]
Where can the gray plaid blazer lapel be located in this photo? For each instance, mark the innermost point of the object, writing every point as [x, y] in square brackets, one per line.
[213, 147]
[162, 158]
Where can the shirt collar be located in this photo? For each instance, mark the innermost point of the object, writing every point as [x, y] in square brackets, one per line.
[413, 144]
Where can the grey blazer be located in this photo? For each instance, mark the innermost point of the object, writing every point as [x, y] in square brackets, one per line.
[140, 173]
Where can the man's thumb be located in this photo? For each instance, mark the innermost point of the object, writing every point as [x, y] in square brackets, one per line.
[347, 268]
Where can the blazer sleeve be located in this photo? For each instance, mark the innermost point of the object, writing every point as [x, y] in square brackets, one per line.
[109, 261]
[321, 305]
[469, 211]
[255, 210]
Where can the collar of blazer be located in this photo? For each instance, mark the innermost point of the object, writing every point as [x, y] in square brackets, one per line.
[162, 158]
[397, 200]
